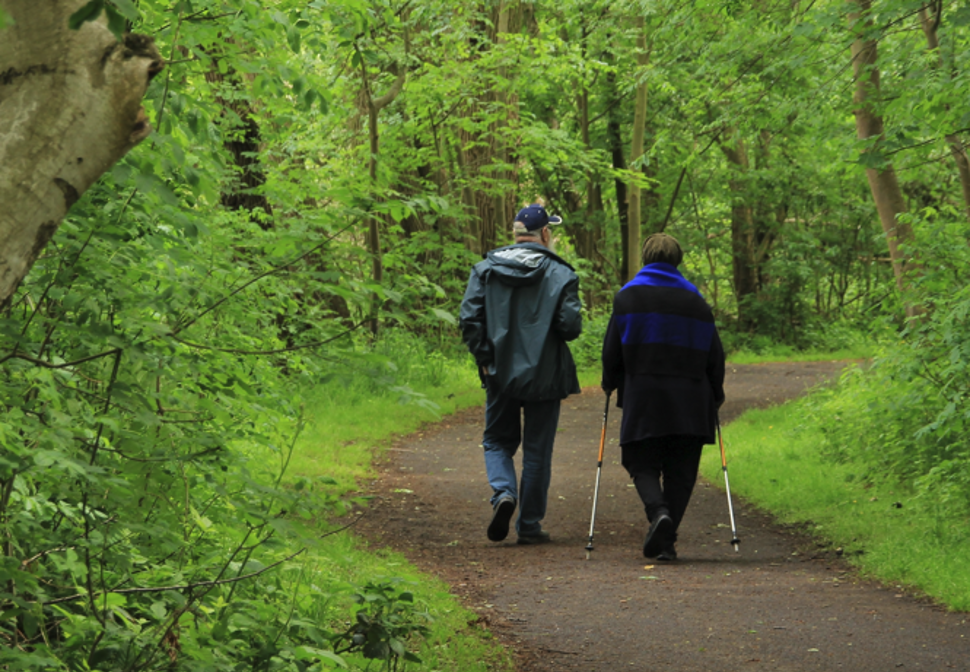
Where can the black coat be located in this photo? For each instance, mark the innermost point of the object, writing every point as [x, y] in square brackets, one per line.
[520, 307]
[663, 355]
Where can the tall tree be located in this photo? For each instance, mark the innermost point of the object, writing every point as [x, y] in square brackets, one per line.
[374, 105]
[632, 262]
[242, 139]
[870, 129]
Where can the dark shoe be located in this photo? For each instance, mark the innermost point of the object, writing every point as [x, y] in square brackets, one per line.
[498, 529]
[657, 536]
[668, 553]
[529, 539]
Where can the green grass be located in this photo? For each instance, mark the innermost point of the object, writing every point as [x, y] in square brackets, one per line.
[345, 432]
[789, 354]
[773, 462]
[455, 641]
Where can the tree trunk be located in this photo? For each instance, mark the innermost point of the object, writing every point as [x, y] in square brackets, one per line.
[242, 140]
[743, 240]
[587, 233]
[374, 106]
[500, 152]
[636, 152]
[619, 162]
[70, 107]
[478, 151]
[883, 184]
[930, 23]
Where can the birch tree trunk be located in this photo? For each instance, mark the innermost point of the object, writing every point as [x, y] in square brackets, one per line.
[636, 151]
[883, 183]
[70, 107]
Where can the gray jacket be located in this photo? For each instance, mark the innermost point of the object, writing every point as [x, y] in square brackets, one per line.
[521, 306]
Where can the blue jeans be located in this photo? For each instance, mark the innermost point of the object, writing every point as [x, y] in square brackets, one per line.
[503, 433]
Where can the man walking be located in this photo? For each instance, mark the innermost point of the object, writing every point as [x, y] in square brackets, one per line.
[663, 355]
[521, 306]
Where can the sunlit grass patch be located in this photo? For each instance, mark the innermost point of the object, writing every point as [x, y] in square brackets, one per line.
[789, 354]
[775, 462]
[344, 433]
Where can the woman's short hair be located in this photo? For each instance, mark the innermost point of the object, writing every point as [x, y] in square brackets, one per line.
[661, 248]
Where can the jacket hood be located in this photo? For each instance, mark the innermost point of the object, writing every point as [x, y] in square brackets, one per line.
[521, 264]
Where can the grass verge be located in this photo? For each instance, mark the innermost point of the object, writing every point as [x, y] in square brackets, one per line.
[774, 462]
[346, 429]
[785, 354]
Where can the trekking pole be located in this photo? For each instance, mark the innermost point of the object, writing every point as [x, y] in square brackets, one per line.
[599, 471]
[735, 542]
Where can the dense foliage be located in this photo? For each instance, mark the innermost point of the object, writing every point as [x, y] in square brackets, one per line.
[323, 173]
[904, 418]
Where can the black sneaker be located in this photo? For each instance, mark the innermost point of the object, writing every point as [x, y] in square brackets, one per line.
[657, 536]
[668, 553]
[530, 539]
[502, 512]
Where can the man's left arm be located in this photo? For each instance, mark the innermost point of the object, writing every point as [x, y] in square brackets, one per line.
[474, 323]
[569, 316]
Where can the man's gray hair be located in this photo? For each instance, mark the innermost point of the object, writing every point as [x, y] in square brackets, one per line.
[519, 231]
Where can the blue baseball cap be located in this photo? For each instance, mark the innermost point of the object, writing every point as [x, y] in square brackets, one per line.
[534, 217]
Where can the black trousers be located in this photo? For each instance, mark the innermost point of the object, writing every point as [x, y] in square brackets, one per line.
[664, 471]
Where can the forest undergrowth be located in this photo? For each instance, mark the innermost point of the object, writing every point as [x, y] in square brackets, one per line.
[876, 465]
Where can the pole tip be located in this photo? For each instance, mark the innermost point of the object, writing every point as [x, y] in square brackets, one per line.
[737, 544]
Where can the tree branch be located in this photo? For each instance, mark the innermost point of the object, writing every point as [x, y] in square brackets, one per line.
[207, 584]
[236, 351]
[252, 281]
[48, 365]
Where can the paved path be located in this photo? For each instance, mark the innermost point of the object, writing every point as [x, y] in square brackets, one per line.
[781, 604]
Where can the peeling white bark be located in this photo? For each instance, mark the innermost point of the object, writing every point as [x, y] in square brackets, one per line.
[70, 107]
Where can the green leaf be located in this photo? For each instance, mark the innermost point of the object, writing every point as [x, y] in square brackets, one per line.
[112, 600]
[116, 22]
[128, 9]
[311, 653]
[444, 316]
[397, 646]
[88, 12]
[961, 17]
[158, 610]
[293, 38]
